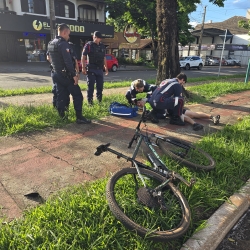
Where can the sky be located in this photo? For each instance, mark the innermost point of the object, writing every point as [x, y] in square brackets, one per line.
[218, 14]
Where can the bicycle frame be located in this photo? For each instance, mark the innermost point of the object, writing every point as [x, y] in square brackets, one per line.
[157, 164]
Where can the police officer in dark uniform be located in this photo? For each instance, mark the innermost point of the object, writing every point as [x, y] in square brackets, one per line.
[64, 75]
[95, 51]
[169, 96]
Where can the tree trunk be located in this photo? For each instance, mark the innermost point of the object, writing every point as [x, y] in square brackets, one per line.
[168, 52]
[154, 49]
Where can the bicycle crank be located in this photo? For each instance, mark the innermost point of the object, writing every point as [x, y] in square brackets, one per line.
[146, 197]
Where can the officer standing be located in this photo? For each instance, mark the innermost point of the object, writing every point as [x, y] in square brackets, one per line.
[95, 51]
[64, 75]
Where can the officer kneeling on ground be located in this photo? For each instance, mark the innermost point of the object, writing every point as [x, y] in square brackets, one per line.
[139, 86]
[169, 96]
[64, 75]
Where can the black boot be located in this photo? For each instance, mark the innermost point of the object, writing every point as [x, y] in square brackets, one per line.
[80, 119]
[62, 114]
[176, 120]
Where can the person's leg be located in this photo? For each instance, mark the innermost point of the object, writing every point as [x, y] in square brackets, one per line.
[176, 105]
[201, 115]
[54, 98]
[196, 126]
[62, 93]
[77, 96]
[91, 84]
[53, 91]
[99, 84]
[198, 115]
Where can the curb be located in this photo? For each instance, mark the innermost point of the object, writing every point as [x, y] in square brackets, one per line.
[221, 222]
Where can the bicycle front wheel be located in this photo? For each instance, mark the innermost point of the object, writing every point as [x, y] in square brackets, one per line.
[163, 218]
[186, 153]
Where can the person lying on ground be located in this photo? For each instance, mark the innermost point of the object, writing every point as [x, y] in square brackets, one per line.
[139, 86]
[188, 116]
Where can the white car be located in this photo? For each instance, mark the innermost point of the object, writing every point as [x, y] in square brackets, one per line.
[188, 62]
[232, 61]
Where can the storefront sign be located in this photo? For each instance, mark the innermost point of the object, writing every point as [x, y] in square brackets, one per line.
[233, 47]
[32, 23]
[130, 34]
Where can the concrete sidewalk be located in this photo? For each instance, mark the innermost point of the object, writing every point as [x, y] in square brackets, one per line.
[49, 160]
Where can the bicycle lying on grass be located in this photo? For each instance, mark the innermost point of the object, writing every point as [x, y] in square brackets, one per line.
[145, 199]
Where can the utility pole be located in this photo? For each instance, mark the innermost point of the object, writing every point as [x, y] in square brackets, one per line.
[221, 56]
[52, 19]
[202, 28]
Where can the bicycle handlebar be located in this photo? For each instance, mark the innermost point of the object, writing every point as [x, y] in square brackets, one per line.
[102, 148]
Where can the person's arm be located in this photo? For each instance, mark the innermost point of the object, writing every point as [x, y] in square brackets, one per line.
[83, 61]
[77, 68]
[67, 58]
[48, 58]
[177, 90]
[105, 66]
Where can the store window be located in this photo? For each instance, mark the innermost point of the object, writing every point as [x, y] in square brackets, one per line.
[35, 45]
[87, 13]
[64, 9]
[33, 6]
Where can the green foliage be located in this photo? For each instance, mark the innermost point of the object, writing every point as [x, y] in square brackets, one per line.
[245, 25]
[79, 218]
[206, 92]
[16, 119]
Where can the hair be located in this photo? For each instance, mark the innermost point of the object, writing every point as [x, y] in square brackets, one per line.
[62, 27]
[139, 83]
[182, 76]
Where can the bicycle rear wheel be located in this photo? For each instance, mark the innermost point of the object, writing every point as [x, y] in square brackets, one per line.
[186, 153]
[136, 208]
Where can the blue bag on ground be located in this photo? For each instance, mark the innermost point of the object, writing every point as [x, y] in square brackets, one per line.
[123, 110]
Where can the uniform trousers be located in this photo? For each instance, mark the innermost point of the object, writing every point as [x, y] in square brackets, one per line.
[64, 87]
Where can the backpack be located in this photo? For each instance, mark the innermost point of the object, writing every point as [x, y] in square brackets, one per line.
[123, 110]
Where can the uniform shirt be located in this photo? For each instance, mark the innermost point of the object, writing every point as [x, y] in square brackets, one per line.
[132, 92]
[89, 48]
[164, 91]
[65, 56]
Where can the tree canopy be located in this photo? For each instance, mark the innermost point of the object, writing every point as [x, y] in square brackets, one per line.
[166, 21]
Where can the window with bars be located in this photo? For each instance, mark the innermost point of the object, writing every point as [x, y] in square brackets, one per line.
[87, 13]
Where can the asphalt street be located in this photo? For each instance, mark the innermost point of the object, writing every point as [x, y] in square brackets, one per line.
[27, 75]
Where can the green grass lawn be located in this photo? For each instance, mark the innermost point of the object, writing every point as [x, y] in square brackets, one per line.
[79, 218]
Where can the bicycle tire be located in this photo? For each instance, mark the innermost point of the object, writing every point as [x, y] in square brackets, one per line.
[147, 221]
[190, 157]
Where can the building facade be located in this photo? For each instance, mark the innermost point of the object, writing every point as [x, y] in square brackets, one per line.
[213, 37]
[25, 28]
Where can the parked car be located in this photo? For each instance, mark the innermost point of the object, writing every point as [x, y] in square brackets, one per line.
[232, 61]
[188, 62]
[112, 63]
[213, 61]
